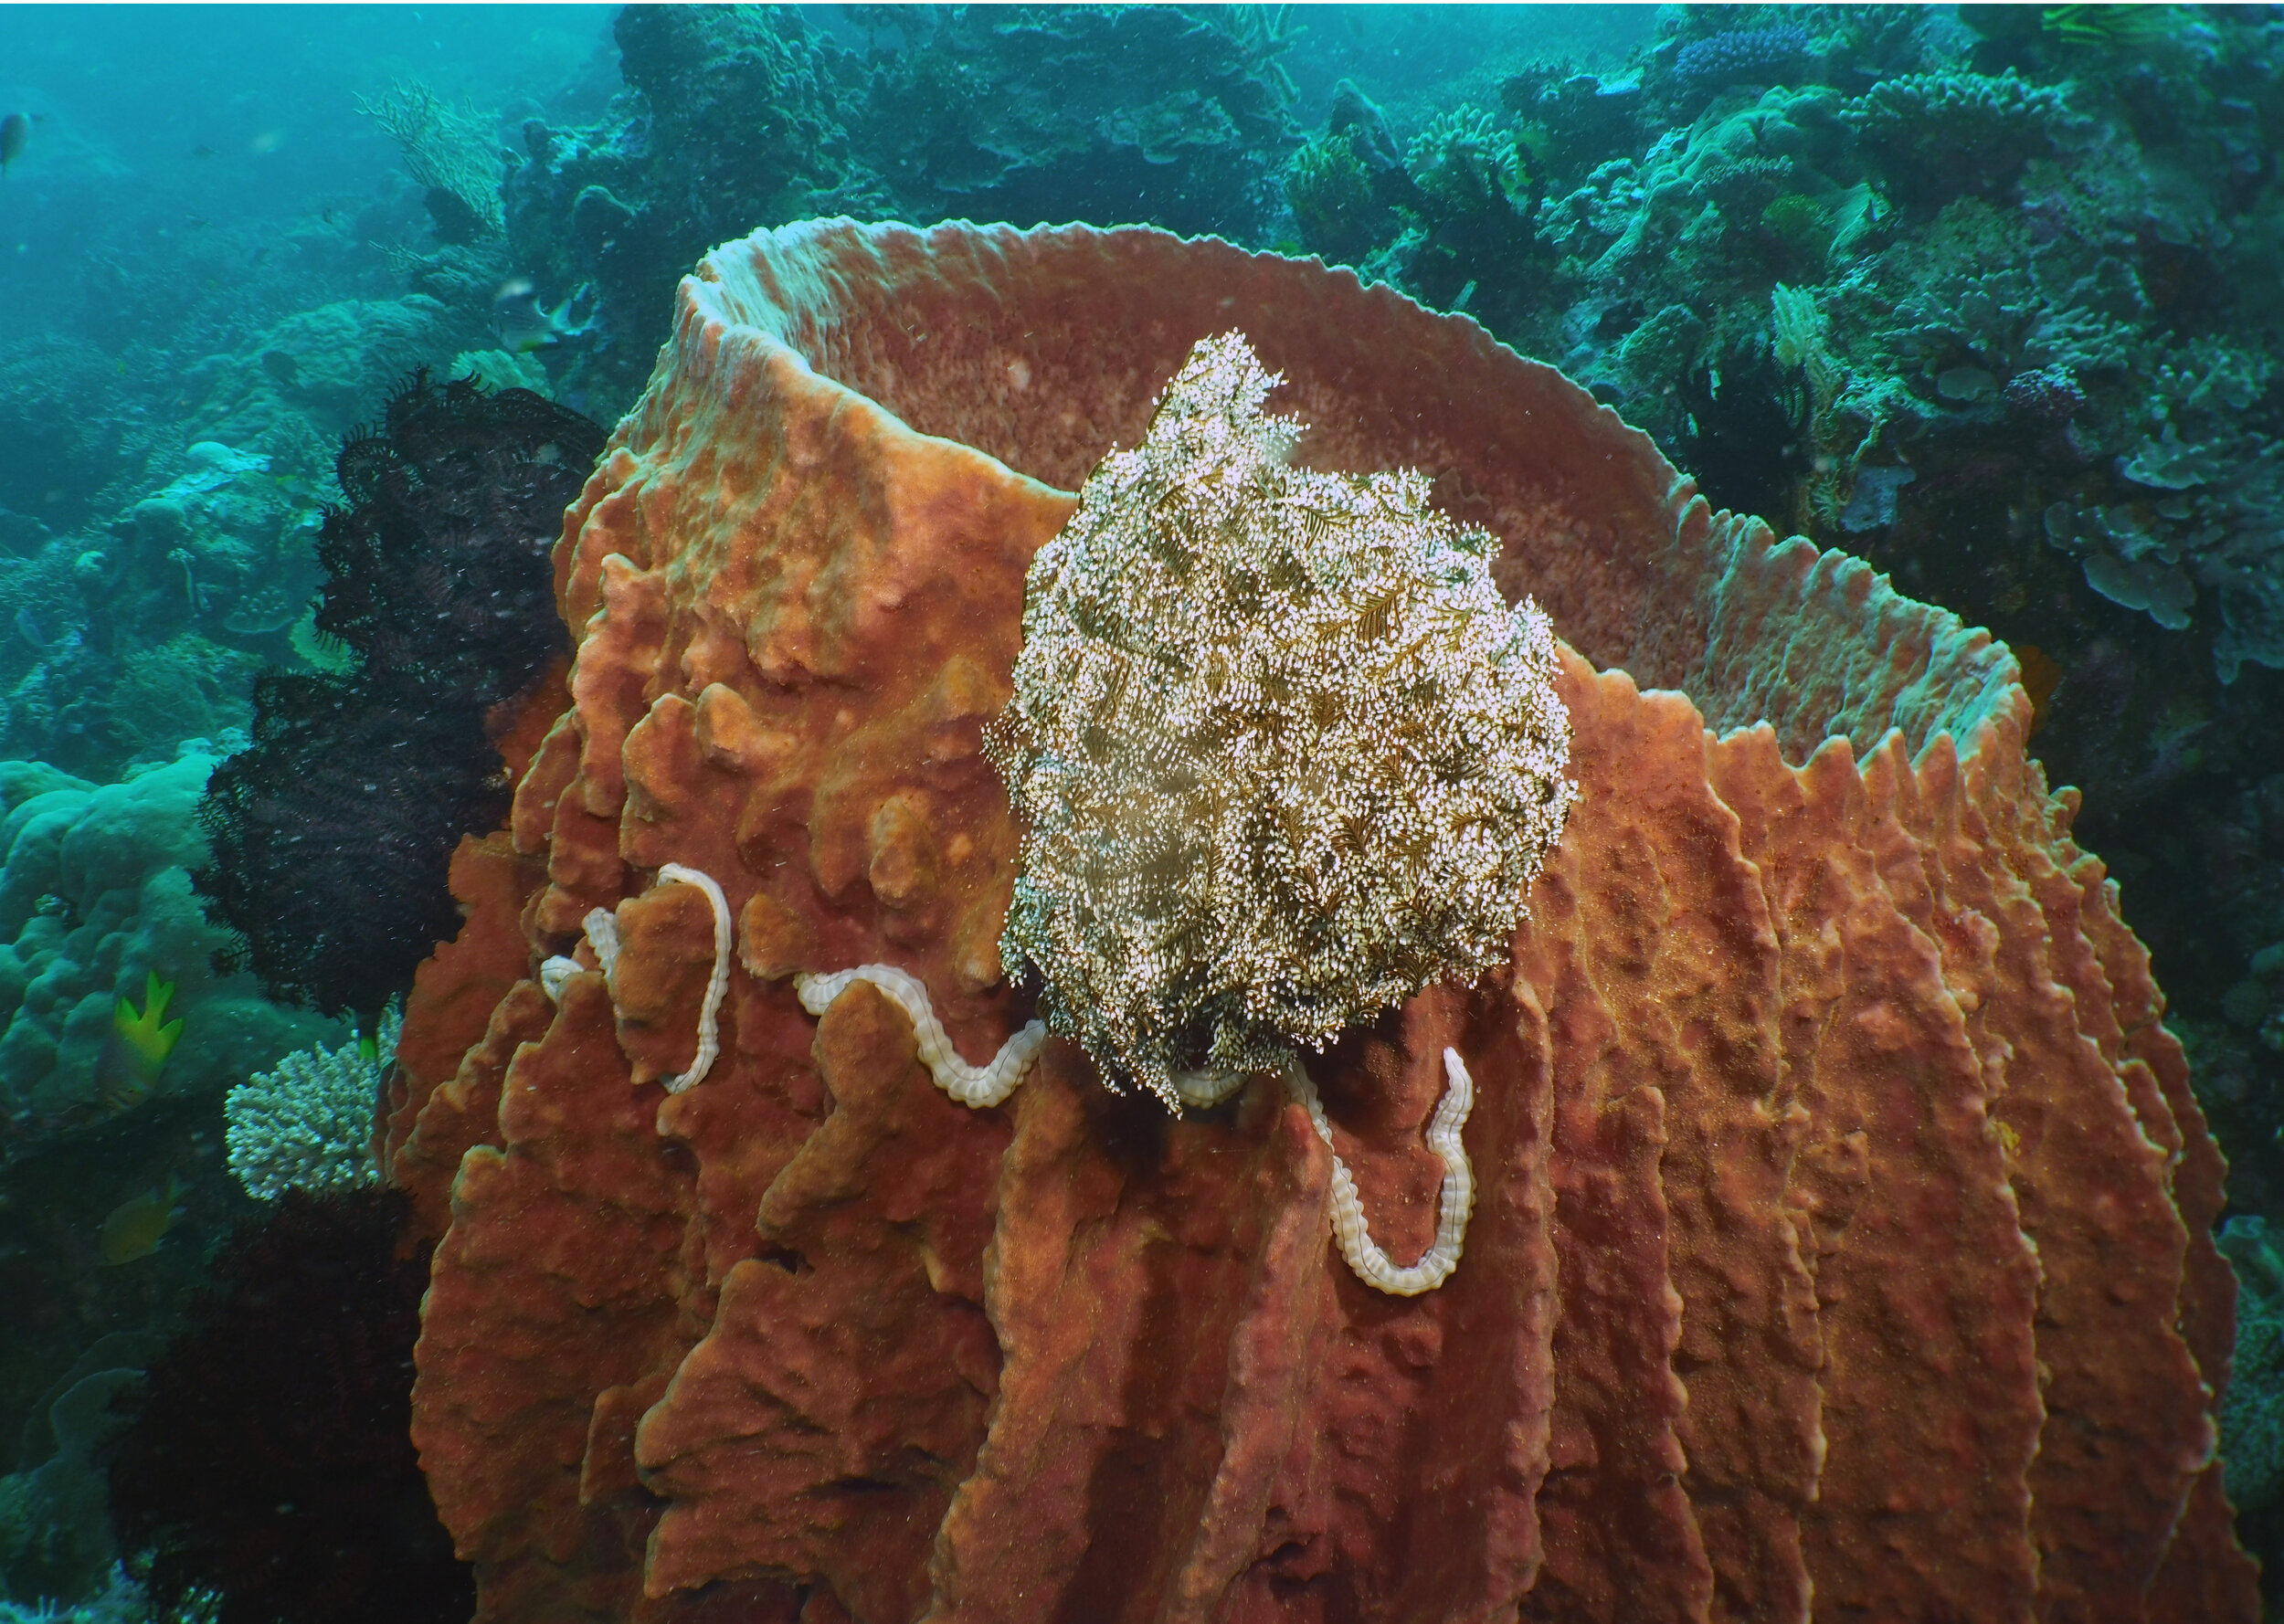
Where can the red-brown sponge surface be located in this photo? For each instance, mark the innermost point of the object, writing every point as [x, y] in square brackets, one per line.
[1845, 1212]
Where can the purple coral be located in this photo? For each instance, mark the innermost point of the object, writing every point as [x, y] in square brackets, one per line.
[1763, 54]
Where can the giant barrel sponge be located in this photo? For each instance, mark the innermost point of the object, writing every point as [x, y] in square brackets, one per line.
[1840, 1245]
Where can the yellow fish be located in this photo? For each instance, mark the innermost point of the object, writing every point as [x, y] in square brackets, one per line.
[135, 1227]
[137, 1048]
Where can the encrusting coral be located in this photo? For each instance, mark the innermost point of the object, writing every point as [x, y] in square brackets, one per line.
[1841, 1213]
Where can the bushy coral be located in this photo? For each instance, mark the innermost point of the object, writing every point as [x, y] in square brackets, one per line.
[1766, 54]
[1934, 135]
[2049, 393]
[308, 1124]
[1282, 754]
[448, 152]
[95, 897]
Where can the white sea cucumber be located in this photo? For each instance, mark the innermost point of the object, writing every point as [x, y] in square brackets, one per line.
[602, 935]
[976, 1086]
[1363, 1254]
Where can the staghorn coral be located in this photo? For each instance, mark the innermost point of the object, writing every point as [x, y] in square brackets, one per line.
[1843, 1209]
[1281, 756]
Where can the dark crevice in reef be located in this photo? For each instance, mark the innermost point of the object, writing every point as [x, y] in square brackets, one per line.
[269, 1461]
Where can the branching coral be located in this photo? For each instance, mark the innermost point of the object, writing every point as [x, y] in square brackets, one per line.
[1763, 56]
[1937, 134]
[307, 1124]
[1462, 160]
[1283, 755]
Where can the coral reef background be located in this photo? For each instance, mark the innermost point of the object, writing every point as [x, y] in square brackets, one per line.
[1986, 295]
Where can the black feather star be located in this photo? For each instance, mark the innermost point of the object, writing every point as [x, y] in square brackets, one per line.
[332, 834]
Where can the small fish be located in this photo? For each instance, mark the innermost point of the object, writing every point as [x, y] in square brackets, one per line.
[202, 150]
[523, 325]
[15, 131]
[134, 1228]
[136, 1051]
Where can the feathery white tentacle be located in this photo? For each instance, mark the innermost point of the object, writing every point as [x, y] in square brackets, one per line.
[1362, 1253]
[976, 1086]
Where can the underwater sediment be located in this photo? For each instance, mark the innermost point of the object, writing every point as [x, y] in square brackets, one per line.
[1844, 1215]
